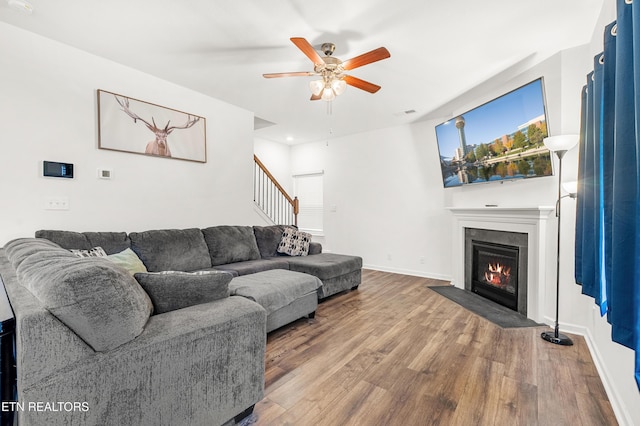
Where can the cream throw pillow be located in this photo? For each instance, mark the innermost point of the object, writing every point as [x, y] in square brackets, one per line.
[129, 260]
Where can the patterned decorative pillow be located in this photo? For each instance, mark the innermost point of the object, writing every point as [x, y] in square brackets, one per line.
[171, 290]
[294, 242]
[94, 252]
[129, 260]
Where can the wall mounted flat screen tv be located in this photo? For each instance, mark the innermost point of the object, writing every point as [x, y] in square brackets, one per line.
[498, 141]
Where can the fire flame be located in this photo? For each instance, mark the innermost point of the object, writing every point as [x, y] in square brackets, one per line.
[497, 274]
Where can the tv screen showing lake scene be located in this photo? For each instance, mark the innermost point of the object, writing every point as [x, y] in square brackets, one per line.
[497, 141]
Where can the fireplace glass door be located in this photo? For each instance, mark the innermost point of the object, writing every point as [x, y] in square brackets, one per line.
[495, 272]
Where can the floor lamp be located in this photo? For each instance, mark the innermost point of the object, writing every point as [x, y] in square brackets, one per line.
[560, 145]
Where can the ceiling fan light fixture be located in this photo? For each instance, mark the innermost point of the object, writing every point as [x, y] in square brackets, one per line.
[338, 86]
[316, 87]
[328, 94]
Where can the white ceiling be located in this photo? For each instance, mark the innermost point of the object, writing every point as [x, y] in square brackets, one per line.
[439, 49]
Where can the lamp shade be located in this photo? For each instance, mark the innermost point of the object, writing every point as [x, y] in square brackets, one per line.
[561, 142]
[570, 187]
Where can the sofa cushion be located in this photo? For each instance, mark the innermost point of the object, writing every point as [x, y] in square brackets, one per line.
[253, 266]
[66, 239]
[128, 260]
[315, 248]
[268, 238]
[171, 249]
[111, 242]
[274, 289]
[19, 249]
[294, 242]
[171, 290]
[230, 244]
[325, 265]
[100, 302]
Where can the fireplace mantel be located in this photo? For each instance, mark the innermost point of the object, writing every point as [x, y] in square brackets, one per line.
[534, 221]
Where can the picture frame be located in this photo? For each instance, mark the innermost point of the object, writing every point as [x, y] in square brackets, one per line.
[130, 125]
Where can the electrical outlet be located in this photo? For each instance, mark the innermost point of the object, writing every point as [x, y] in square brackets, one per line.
[56, 203]
[422, 260]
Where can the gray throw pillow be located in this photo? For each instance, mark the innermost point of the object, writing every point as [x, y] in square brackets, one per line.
[96, 299]
[171, 290]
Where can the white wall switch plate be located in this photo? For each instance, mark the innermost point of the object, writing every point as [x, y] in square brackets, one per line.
[56, 203]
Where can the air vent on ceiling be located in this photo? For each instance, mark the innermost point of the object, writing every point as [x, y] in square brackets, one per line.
[405, 112]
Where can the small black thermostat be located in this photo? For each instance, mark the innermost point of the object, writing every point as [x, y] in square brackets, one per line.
[54, 169]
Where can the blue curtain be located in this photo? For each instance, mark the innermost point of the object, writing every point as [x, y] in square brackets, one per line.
[579, 241]
[635, 65]
[587, 237]
[608, 260]
[608, 149]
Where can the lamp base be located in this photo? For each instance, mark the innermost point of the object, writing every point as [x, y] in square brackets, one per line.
[556, 338]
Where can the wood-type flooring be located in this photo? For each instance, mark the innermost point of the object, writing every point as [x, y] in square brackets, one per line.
[395, 352]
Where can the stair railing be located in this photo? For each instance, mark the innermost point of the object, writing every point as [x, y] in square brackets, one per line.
[272, 199]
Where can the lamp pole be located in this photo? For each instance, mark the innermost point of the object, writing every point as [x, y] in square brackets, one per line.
[555, 336]
[560, 145]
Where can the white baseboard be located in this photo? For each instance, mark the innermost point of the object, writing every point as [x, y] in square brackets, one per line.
[619, 409]
[422, 274]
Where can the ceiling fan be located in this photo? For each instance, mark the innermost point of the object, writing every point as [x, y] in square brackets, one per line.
[334, 81]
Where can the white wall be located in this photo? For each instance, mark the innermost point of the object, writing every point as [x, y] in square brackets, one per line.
[382, 198]
[48, 110]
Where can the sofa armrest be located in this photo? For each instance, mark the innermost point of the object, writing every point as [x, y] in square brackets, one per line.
[315, 248]
[204, 363]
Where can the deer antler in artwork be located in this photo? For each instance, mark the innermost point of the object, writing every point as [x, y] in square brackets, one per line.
[158, 146]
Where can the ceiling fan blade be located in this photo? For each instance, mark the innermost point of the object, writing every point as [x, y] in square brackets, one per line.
[307, 49]
[366, 58]
[289, 74]
[361, 84]
[315, 97]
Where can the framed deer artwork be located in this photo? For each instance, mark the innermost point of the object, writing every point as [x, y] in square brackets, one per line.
[130, 125]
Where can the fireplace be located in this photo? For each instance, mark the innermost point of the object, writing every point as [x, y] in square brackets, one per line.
[531, 232]
[494, 272]
[496, 266]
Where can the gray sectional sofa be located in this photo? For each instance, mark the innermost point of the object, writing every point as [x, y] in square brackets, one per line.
[180, 341]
